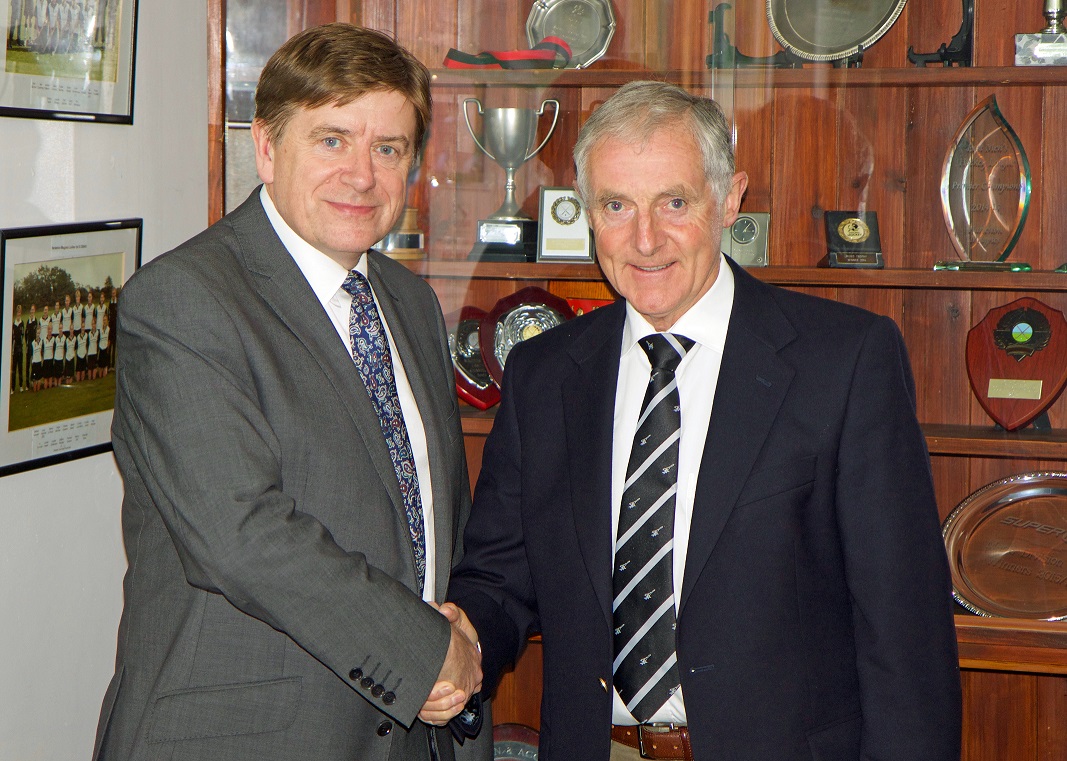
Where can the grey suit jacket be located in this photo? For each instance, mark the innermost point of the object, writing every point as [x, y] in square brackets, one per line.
[270, 604]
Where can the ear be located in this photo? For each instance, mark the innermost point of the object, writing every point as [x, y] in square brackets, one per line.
[732, 204]
[264, 152]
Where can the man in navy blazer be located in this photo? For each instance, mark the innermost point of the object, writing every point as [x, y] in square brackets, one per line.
[811, 607]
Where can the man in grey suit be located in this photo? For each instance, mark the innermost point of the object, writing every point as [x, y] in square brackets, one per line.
[295, 482]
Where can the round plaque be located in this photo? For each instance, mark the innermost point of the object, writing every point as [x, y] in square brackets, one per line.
[514, 741]
[586, 25]
[854, 230]
[1007, 548]
[566, 210]
[516, 318]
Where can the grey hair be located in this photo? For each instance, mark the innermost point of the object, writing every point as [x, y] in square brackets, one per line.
[638, 109]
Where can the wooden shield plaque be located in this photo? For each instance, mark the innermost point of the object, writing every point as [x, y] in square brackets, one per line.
[1017, 361]
[474, 385]
[515, 318]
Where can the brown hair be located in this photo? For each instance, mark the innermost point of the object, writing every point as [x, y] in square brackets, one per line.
[336, 64]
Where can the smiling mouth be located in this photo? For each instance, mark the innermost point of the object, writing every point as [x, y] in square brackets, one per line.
[659, 268]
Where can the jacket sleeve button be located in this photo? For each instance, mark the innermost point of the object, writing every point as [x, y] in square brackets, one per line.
[355, 674]
[385, 728]
[377, 690]
[367, 683]
[389, 698]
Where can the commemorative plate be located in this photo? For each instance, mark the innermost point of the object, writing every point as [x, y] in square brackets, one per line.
[1007, 548]
[826, 30]
[586, 25]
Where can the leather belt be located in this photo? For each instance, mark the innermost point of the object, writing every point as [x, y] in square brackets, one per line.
[657, 741]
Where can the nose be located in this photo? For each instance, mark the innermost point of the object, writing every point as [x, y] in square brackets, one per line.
[358, 171]
[646, 236]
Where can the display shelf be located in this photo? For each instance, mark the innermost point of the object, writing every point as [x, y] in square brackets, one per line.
[763, 78]
[787, 276]
[1011, 644]
[987, 441]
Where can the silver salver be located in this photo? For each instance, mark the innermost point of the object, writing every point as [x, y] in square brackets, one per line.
[521, 323]
[586, 25]
[828, 30]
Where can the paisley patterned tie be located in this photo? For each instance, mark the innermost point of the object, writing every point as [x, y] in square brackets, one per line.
[370, 350]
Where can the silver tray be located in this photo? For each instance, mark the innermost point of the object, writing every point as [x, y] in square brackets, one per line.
[586, 25]
[1007, 548]
[826, 30]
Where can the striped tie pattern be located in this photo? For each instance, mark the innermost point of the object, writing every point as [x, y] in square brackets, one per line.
[370, 351]
[646, 664]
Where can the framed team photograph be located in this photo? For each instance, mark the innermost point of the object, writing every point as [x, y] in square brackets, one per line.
[68, 59]
[59, 289]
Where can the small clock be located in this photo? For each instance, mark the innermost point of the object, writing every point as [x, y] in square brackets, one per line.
[745, 241]
[744, 230]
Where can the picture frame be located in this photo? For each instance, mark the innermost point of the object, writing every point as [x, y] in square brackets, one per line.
[59, 287]
[564, 234]
[68, 59]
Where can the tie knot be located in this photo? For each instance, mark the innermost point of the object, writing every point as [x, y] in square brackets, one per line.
[665, 350]
[356, 285]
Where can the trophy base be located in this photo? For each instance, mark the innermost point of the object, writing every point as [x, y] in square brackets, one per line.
[962, 266]
[505, 240]
[871, 260]
[403, 245]
[1041, 49]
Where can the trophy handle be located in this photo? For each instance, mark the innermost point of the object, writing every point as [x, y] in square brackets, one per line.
[540, 111]
[470, 129]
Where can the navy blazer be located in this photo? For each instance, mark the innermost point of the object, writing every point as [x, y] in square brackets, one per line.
[815, 619]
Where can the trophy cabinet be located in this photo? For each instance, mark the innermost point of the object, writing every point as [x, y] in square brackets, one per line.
[812, 139]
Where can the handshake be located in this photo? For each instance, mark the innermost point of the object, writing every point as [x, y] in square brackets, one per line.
[461, 673]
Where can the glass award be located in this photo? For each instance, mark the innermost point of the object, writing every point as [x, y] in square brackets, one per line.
[985, 191]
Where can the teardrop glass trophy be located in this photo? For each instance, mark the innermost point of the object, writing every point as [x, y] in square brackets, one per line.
[985, 191]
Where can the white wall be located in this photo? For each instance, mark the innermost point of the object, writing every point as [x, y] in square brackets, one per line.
[61, 557]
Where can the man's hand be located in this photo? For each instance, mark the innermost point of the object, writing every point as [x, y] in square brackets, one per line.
[461, 673]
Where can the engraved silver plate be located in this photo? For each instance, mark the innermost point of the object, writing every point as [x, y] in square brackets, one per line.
[522, 322]
[586, 25]
[827, 30]
[1007, 548]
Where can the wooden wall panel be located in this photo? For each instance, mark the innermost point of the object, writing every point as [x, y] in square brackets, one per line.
[999, 716]
[804, 185]
[1051, 220]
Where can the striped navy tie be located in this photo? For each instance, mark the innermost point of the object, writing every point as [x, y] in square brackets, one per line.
[645, 667]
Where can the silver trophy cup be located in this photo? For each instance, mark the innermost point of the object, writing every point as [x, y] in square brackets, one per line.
[509, 135]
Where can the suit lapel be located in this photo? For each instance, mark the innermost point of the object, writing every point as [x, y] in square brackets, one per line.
[284, 288]
[752, 384]
[419, 354]
[589, 407]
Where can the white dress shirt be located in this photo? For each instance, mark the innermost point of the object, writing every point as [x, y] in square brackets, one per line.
[325, 276]
[706, 323]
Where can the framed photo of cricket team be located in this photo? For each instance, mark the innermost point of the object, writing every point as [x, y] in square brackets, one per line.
[68, 59]
[59, 313]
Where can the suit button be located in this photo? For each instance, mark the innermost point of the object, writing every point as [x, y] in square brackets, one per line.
[389, 698]
[367, 683]
[385, 728]
[355, 674]
[377, 690]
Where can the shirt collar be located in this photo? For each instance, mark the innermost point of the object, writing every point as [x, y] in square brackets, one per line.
[705, 322]
[324, 275]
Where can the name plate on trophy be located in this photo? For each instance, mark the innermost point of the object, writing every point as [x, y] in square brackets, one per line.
[1007, 548]
[474, 385]
[985, 190]
[516, 318]
[1017, 361]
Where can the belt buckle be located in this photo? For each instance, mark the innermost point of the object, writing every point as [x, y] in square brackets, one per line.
[641, 737]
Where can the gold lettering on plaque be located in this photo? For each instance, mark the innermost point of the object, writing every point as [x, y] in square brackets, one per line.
[1006, 388]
